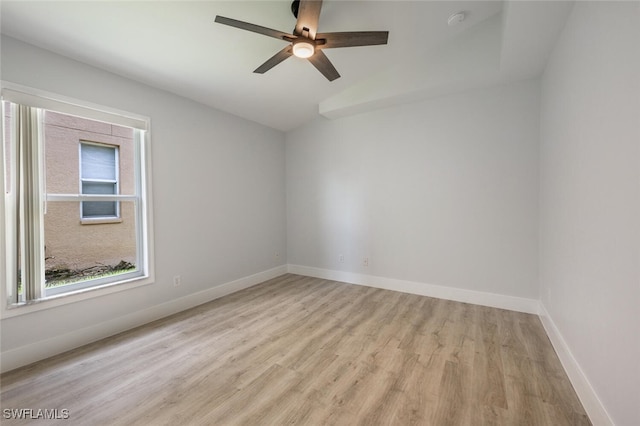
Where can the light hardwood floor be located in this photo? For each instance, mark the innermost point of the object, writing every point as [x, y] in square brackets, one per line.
[300, 350]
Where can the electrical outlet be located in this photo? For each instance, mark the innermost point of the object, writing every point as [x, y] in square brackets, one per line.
[341, 258]
[365, 261]
[276, 256]
[177, 281]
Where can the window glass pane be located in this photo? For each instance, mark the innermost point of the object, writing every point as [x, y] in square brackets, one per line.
[99, 208]
[93, 209]
[98, 162]
[98, 188]
[76, 252]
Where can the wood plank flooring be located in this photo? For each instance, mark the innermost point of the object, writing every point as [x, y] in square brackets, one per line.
[306, 351]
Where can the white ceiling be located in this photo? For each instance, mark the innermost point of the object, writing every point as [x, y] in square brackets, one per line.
[176, 46]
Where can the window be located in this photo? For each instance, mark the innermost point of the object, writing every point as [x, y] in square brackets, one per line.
[98, 175]
[61, 158]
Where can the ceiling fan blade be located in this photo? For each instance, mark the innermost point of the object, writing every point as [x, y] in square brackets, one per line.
[254, 28]
[324, 65]
[308, 14]
[351, 39]
[274, 60]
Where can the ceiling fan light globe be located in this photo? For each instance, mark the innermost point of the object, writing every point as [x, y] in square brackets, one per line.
[303, 49]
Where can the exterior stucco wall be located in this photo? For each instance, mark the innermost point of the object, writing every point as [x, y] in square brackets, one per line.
[70, 241]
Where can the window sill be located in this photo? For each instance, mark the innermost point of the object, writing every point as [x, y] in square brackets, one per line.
[72, 297]
[100, 221]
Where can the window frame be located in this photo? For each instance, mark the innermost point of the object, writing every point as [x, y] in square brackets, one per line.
[144, 247]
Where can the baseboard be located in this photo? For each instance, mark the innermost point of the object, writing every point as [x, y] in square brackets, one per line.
[40, 350]
[512, 303]
[587, 395]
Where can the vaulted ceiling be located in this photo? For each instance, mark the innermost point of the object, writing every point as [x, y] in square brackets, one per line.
[176, 46]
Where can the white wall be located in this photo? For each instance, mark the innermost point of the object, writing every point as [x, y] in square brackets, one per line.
[590, 205]
[219, 203]
[442, 192]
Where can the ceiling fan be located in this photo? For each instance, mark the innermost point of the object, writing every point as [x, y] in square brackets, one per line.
[306, 42]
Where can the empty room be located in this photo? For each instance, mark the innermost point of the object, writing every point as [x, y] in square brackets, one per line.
[320, 213]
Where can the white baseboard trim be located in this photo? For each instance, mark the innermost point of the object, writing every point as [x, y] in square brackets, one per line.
[587, 395]
[40, 350]
[512, 303]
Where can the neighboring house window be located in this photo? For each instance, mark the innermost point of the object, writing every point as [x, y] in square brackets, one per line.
[99, 175]
[59, 158]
